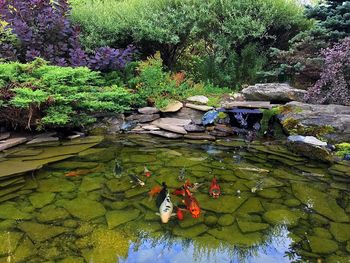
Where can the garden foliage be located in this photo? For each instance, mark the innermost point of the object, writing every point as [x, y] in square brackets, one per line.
[43, 29]
[39, 95]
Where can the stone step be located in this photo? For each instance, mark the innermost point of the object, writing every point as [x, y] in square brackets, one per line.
[11, 143]
[249, 104]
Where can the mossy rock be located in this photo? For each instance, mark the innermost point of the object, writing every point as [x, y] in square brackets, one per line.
[226, 220]
[322, 202]
[7, 224]
[224, 204]
[183, 161]
[252, 205]
[210, 220]
[322, 232]
[55, 185]
[72, 259]
[71, 223]
[318, 219]
[39, 200]
[97, 154]
[281, 217]
[84, 209]
[9, 242]
[190, 232]
[233, 235]
[135, 191]
[70, 165]
[116, 218]
[292, 202]
[341, 232]
[270, 194]
[116, 185]
[322, 245]
[338, 259]
[348, 246]
[206, 242]
[9, 211]
[41, 232]
[247, 227]
[91, 183]
[118, 205]
[190, 221]
[151, 216]
[51, 214]
[24, 251]
[84, 229]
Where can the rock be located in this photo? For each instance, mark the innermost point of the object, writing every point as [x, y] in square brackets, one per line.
[90, 184]
[11, 143]
[310, 147]
[142, 118]
[200, 136]
[39, 200]
[348, 247]
[321, 202]
[148, 110]
[135, 191]
[108, 125]
[190, 221]
[194, 128]
[40, 232]
[190, 232]
[322, 232]
[234, 236]
[115, 185]
[84, 209]
[51, 214]
[276, 92]
[226, 220]
[210, 117]
[321, 245]
[4, 136]
[72, 259]
[225, 204]
[199, 107]
[9, 242]
[172, 128]
[169, 135]
[150, 127]
[186, 113]
[281, 217]
[172, 121]
[338, 259]
[269, 193]
[173, 106]
[43, 139]
[198, 99]
[71, 165]
[9, 211]
[7, 224]
[292, 202]
[247, 227]
[70, 223]
[116, 218]
[84, 229]
[248, 104]
[24, 251]
[332, 122]
[341, 232]
[55, 185]
[252, 205]
[210, 220]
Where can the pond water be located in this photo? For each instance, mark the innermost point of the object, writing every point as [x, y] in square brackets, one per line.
[275, 206]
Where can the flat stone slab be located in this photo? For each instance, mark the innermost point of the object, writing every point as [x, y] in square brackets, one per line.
[172, 128]
[150, 127]
[199, 107]
[248, 104]
[11, 143]
[43, 139]
[199, 99]
[142, 118]
[4, 136]
[194, 128]
[200, 136]
[148, 110]
[169, 135]
[172, 107]
[172, 121]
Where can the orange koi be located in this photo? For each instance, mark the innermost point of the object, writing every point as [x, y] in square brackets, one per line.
[214, 190]
[191, 203]
[82, 171]
[180, 214]
[154, 191]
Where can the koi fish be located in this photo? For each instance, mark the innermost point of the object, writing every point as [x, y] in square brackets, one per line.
[182, 174]
[154, 191]
[179, 191]
[146, 171]
[136, 180]
[117, 169]
[82, 172]
[165, 205]
[180, 214]
[191, 203]
[214, 189]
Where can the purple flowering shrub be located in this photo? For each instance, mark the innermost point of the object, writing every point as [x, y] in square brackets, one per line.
[334, 83]
[44, 30]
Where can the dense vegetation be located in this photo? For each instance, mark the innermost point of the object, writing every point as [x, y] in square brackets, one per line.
[109, 55]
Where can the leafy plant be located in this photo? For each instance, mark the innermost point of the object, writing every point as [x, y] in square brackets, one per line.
[342, 149]
[39, 95]
[44, 30]
[334, 83]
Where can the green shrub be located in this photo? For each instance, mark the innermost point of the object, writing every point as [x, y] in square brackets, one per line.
[342, 149]
[39, 95]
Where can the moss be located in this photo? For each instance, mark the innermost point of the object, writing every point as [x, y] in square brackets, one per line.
[342, 149]
[267, 115]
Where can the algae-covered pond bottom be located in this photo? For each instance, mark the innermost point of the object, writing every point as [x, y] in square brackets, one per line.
[275, 206]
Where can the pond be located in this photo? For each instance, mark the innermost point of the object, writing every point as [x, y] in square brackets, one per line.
[275, 206]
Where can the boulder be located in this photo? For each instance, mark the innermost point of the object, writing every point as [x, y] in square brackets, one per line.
[143, 118]
[198, 99]
[310, 147]
[173, 106]
[194, 128]
[148, 110]
[199, 107]
[107, 125]
[247, 104]
[276, 92]
[186, 113]
[329, 121]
